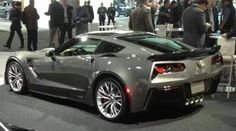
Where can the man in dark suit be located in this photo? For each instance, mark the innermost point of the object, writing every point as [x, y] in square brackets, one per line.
[140, 19]
[102, 15]
[227, 21]
[15, 26]
[91, 13]
[56, 13]
[164, 13]
[32, 17]
[67, 26]
[81, 19]
[212, 18]
[111, 12]
[194, 23]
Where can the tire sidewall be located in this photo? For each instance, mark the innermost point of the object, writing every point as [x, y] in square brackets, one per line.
[23, 88]
[123, 111]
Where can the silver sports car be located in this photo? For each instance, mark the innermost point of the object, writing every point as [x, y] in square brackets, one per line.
[118, 72]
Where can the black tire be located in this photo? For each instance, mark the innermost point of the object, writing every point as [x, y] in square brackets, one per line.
[122, 111]
[16, 78]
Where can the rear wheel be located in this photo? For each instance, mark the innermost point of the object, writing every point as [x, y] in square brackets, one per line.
[111, 100]
[16, 77]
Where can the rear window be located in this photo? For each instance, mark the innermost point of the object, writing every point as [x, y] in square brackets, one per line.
[155, 42]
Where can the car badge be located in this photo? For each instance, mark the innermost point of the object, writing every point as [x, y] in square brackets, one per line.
[200, 69]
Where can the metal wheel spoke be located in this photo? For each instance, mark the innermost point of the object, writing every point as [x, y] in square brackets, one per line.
[112, 88]
[118, 102]
[14, 69]
[115, 109]
[15, 83]
[21, 80]
[102, 92]
[105, 103]
[118, 95]
[102, 96]
[18, 84]
[107, 87]
[112, 110]
[11, 74]
[106, 108]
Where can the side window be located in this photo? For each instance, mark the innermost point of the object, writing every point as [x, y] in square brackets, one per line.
[107, 47]
[83, 46]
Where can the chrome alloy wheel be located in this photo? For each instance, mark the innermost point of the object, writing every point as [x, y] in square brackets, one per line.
[15, 77]
[109, 99]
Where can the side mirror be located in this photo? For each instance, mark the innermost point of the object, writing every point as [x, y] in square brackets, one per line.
[50, 53]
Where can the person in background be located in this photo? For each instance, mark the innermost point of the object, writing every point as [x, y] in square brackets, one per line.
[81, 19]
[15, 26]
[187, 3]
[154, 5]
[227, 15]
[164, 13]
[194, 23]
[91, 13]
[179, 12]
[111, 12]
[174, 16]
[230, 34]
[140, 19]
[56, 12]
[32, 17]
[102, 15]
[67, 26]
[212, 18]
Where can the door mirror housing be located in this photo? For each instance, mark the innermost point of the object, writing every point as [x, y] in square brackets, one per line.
[49, 53]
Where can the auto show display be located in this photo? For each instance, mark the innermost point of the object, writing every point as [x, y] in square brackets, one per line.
[118, 72]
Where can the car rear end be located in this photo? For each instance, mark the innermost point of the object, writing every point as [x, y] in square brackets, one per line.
[180, 74]
[185, 81]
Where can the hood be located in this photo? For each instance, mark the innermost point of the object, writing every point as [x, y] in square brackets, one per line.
[33, 54]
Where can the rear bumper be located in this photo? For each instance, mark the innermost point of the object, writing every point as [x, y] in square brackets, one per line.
[177, 95]
[180, 94]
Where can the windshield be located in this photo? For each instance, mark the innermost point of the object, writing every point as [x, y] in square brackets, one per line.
[155, 42]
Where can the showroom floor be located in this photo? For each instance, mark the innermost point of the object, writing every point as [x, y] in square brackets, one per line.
[50, 114]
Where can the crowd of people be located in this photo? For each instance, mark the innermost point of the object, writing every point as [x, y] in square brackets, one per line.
[199, 18]
[63, 18]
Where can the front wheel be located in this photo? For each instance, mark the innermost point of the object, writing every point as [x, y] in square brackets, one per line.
[16, 77]
[111, 100]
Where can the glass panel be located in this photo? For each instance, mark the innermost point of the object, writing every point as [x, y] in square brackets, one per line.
[81, 46]
[155, 42]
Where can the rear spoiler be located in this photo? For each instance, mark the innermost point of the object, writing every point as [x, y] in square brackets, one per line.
[184, 55]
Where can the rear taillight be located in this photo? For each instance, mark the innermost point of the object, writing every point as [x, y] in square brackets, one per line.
[217, 59]
[167, 68]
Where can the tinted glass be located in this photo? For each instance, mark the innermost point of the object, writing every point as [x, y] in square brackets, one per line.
[82, 46]
[154, 42]
[107, 47]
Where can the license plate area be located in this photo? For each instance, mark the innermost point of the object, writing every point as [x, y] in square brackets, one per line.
[197, 87]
